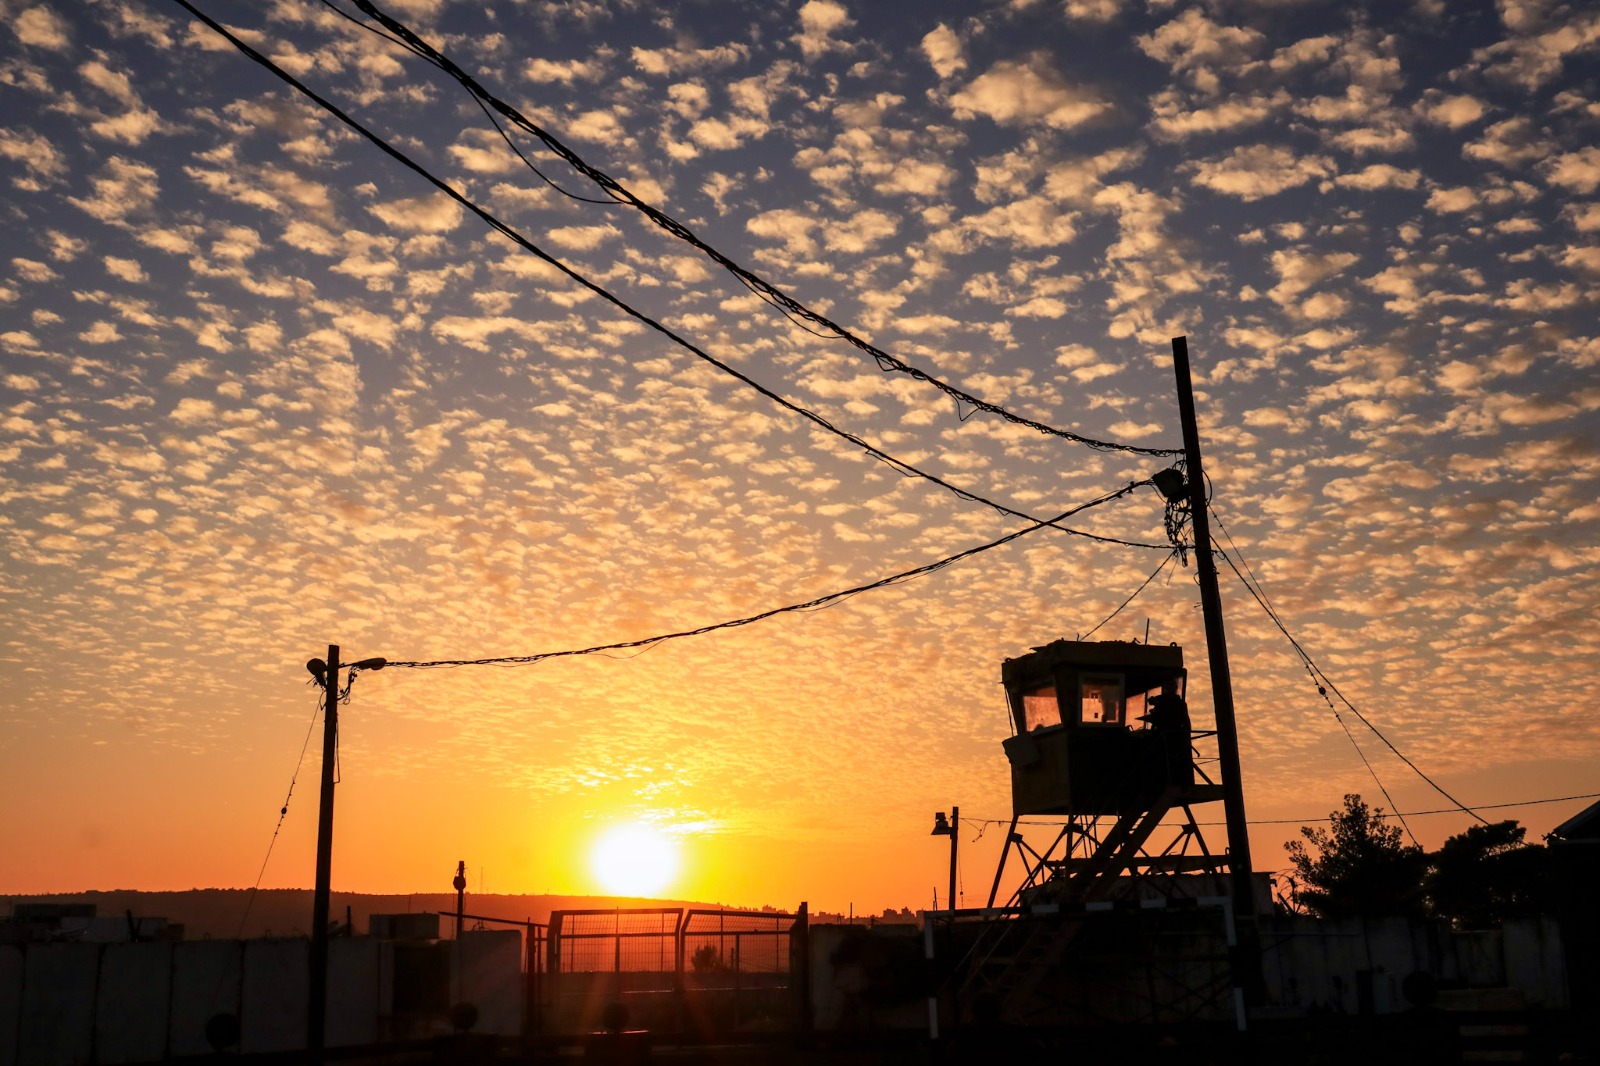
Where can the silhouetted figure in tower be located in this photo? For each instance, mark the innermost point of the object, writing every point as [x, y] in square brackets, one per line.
[1169, 718]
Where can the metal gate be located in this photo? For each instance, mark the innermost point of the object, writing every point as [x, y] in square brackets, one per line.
[700, 972]
[738, 971]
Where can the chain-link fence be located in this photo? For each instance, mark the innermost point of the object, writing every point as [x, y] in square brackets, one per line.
[668, 970]
[739, 970]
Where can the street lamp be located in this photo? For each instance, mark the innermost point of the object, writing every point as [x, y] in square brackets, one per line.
[951, 827]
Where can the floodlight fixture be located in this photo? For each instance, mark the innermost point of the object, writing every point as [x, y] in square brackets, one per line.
[1170, 483]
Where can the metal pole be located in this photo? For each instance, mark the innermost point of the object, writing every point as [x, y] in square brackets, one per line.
[460, 885]
[950, 932]
[317, 1004]
[1239, 866]
[530, 987]
[955, 843]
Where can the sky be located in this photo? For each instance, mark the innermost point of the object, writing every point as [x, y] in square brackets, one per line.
[263, 389]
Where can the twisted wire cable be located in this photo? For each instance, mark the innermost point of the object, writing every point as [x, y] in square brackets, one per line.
[522, 242]
[754, 282]
[812, 604]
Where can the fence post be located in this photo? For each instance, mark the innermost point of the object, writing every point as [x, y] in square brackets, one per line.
[800, 946]
[530, 982]
[680, 994]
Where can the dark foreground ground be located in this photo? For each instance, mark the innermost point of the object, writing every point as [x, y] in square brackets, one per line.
[1415, 1039]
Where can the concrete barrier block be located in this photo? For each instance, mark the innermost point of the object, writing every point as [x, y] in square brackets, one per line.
[489, 976]
[57, 1024]
[353, 991]
[131, 1003]
[11, 968]
[205, 982]
[275, 986]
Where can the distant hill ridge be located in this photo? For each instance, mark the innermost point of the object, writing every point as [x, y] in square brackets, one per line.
[221, 913]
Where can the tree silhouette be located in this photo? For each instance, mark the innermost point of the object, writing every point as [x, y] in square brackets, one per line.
[1360, 867]
[1485, 875]
[706, 960]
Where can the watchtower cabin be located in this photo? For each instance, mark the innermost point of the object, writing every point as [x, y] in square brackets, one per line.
[1086, 741]
[1102, 738]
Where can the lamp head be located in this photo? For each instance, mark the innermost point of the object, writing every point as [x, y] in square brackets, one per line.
[941, 825]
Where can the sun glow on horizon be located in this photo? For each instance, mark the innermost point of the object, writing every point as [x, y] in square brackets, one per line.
[634, 859]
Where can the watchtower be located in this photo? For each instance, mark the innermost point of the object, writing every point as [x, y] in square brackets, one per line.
[1076, 754]
[1102, 745]
[1102, 737]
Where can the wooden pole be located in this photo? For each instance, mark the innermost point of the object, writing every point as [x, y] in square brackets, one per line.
[1246, 951]
[317, 1004]
[1239, 866]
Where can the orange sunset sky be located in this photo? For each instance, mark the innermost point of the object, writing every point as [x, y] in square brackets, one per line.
[263, 389]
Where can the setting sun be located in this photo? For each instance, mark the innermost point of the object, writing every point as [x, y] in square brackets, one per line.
[633, 860]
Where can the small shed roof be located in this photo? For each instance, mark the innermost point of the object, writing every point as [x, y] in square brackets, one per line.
[1585, 825]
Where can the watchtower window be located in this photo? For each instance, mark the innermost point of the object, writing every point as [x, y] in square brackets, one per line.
[1040, 709]
[1137, 706]
[1101, 699]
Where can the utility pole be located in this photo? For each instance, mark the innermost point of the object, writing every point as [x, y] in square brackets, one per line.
[317, 1006]
[327, 675]
[1247, 958]
[1216, 642]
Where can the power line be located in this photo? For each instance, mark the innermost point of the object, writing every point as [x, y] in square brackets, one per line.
[283, 813]
[1267, 605]
[1130, 599]
[820, 601]
[1303, 821]
[515, 237]
[487, 113]
[754, 282]
[1370, 769]
[1325, 684]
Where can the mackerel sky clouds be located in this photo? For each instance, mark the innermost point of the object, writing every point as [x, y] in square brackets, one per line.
[263, 389]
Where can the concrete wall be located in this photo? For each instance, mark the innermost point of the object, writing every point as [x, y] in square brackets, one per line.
[273, 1006]
[354, 992]
[11, 963]
[206, 980]
[131, 1003]
[125, 1003]
[868, 979]
[488, 974]
[72, 1004]
[57, 1027]
[1359, 965]
[1535, 961]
